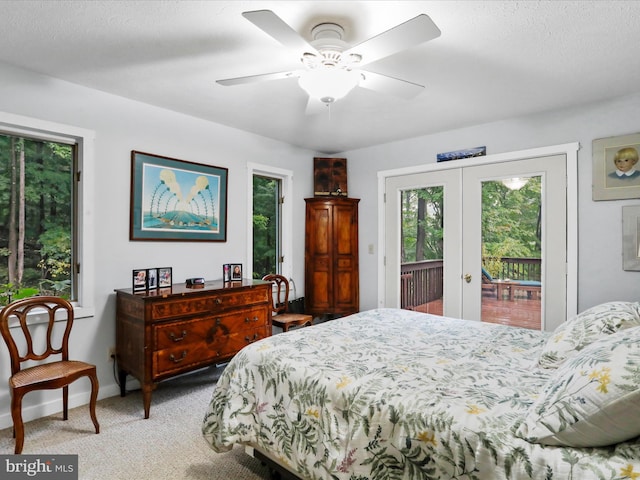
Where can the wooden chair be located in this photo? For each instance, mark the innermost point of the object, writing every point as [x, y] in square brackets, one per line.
[280, 302]
[17, 332]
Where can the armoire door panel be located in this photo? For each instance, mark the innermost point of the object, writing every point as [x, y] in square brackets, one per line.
[321, 233]
[344, 289]
[344, 231]
[322, 290]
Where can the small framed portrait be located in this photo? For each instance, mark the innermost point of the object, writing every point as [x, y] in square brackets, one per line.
[226, 272]
[616, 170]
[236, 272]
[152, 278]
[139, 280]
[164, 277]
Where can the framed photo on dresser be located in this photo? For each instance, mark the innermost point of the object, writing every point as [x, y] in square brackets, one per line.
[236, 272]
[164, 277]
[139, 280]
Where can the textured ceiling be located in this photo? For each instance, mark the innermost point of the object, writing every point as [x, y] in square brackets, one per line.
[494, 60]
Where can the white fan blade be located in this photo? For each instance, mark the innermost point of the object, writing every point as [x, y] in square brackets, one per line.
[413, 32]
[315, 107]
[258, 78]
[389, 85]
[274, 26]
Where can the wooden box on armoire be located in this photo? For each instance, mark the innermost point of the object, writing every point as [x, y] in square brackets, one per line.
[330, 177]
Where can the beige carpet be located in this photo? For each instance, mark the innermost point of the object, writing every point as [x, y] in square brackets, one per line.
[168, 445]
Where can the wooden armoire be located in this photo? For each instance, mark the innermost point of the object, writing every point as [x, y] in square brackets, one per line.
[332, 285]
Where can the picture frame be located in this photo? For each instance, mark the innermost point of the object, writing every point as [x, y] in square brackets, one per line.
[459, 154]
[177, 200]
[139, 280]
[165, 277]
[607, 182]
[226, 272]
[236, 272]
[631, 238]
[152, 278]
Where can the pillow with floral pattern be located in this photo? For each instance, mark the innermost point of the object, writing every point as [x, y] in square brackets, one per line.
[593, 399]
[585, 328]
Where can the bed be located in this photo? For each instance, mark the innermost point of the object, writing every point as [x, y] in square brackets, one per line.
[396, 394]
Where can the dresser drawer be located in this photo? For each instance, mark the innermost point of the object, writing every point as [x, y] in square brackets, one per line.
[188, 356]
[205, 329]
[171, 308]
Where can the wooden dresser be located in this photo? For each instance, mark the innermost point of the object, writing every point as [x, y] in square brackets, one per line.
[166, 332]
[331, 256]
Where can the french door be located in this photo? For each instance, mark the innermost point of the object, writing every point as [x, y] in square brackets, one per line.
[464, 292]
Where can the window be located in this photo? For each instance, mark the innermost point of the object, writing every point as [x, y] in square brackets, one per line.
[266, 225]
[45, 240]
[270, 215]
[37, 195]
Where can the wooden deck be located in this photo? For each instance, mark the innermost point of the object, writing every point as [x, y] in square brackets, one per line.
[519, 312]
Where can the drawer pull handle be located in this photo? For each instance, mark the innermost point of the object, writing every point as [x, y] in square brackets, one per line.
[178, 360]
[249, 339]
[178, 339]
[218, 321]
[218, 301]
[254, 319]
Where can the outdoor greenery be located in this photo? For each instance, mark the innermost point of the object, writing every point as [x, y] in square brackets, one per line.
[511, 223]
[36, 201]
[265, 226]
[422, 224]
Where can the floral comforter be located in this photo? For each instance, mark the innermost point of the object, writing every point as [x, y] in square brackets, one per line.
[394, 394]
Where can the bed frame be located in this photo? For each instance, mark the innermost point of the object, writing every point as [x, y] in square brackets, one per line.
[276, 470]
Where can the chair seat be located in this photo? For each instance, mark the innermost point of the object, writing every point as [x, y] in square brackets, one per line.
[50, 374]
[292, 318]
[286, 320]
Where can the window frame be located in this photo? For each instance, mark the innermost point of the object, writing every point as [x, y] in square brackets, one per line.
[84, 140]
[286, 213]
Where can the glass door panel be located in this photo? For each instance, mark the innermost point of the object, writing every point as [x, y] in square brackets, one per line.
[514, 247]
[422, 242]
[512, 251]
[421, 249]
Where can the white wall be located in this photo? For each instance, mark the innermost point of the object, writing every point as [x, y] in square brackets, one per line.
[600, 274]
[120, 126]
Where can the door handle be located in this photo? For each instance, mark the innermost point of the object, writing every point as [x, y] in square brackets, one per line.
[467, 277]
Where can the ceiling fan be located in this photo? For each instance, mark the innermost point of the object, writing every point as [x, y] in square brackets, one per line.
[331, 68]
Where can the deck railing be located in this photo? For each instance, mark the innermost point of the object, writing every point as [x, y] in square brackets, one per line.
[422, 282]
[521, 268]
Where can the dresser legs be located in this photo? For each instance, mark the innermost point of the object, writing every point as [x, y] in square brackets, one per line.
[122, 379]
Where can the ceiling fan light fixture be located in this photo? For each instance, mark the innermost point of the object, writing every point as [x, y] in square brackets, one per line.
[328, 84]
